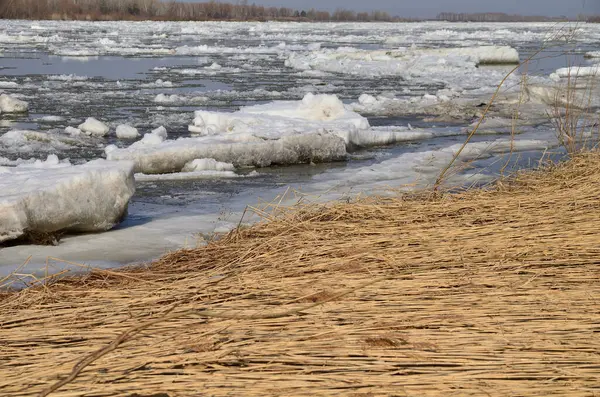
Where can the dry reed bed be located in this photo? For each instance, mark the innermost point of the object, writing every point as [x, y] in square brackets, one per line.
[487, 292]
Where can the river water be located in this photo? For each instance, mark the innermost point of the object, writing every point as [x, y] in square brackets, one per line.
[151, 74]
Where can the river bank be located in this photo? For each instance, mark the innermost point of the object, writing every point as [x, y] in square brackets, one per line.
[489, 291]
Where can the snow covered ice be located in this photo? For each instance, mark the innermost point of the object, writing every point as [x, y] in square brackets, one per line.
[52, 196]
[27, 141]
[577, 71]
[319, 128]
[8, 104]
[207, 165]
[242, 150]
[94, 127]
[125, 131]
[288, 132]
[458, 67]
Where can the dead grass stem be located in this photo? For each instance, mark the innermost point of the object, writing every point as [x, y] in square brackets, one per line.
[485, 292]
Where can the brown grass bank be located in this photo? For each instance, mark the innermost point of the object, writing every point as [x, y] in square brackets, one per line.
[486, 293]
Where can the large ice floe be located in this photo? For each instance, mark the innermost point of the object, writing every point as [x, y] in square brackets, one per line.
[52, 196]
[405, 62]
[319, 128]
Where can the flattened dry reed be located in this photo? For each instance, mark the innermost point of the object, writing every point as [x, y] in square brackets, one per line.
[486, 292]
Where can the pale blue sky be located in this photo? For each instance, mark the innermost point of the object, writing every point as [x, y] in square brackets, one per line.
[430, 8]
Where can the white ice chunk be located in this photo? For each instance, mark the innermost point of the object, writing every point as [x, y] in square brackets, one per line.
[207, 165]
[51, 161]
[8, 84]
[67, 77]
[73, 131]
[51, 119]
[272, 120]
[94, 127]
[91, 197]
[160, 132]
[163, 98]
[125, 131]
[29, 141]
[8, 104]
[577, 71]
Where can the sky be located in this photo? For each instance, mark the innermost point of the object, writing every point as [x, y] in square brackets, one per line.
[430, 8]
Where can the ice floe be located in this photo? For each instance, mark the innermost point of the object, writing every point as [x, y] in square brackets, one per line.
[26, 141]
[576, 71]
[51, 119]
[8, 84]
[73, 131]
[9, 104]
[52, 161]
[125, 131]
[240, 150]
[401, 62]
[46, 197]
[94, 127]
[207, 165]
[319, 128]
[420, 169]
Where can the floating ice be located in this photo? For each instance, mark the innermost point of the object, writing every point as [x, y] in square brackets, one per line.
[197, 169]
[404, 62]
[86, 198]
[566, 93]
[8, 104]
[12, 163]
[8, 84]
[155, 137]
[420, 169]
[94, 127]
[238, 149]
[51, 161]
[445, 103]
[67, 77]
[272, 120]
[593, 54]
[29, 141]
[73, 131]
[180, 176]
[159, 83]
[577, 71]
[207, 165]
[50, 119]
[125, 131]
[317, 129]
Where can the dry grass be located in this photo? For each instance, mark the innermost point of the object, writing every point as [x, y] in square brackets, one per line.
[485, 293]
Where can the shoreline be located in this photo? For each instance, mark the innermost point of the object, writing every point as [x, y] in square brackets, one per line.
[488, 290]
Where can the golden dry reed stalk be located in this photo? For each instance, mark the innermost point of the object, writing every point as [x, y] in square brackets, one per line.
[489, 292]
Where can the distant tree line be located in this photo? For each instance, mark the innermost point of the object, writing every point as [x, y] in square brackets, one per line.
[173, 10]
[494, 17]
